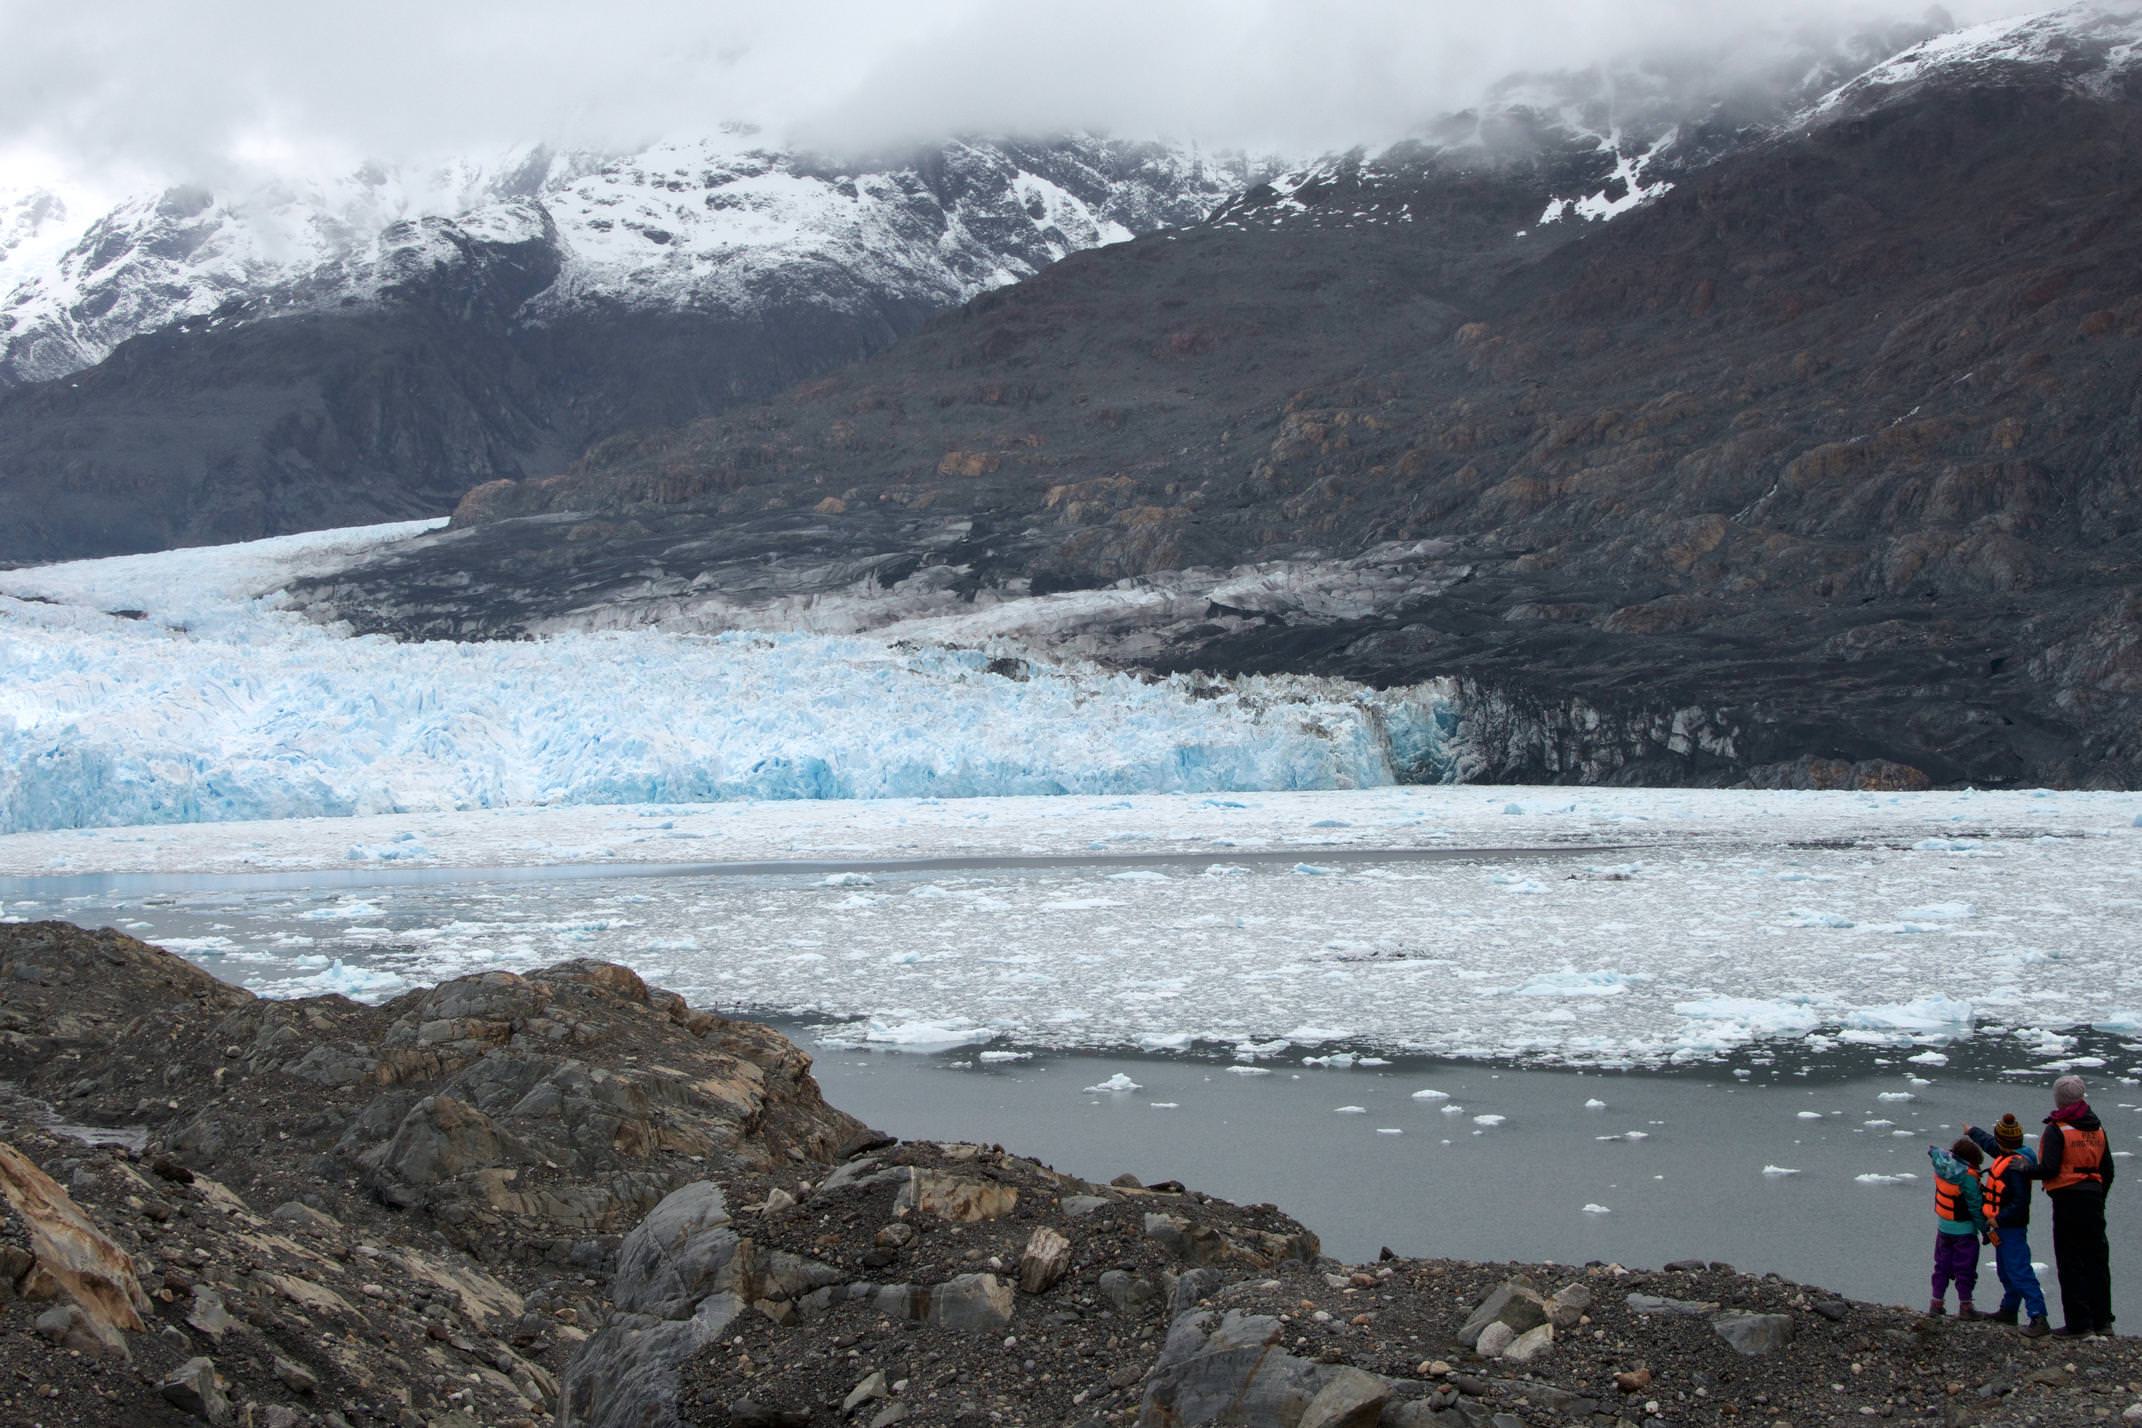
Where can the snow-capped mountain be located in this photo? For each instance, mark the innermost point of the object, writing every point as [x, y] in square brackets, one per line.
[1599, 141]
[720, 224]
[2088, 45]
[1603, 140]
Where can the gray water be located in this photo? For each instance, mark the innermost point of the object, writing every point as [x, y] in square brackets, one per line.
[1692, 1187]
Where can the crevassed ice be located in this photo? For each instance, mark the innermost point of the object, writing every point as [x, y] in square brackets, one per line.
[221, 706]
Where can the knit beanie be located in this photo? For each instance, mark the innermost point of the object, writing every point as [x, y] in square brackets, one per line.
[2008, 1132]
[2067, 1090]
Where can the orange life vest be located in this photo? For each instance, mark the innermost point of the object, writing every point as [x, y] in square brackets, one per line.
[2082, 1159]
[1949, 1197]
[1995, 1182]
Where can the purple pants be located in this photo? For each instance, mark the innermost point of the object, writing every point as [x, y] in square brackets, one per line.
[1955, 1258]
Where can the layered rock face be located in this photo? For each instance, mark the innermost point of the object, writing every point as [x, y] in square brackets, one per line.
[1818, 467]
[199, 366]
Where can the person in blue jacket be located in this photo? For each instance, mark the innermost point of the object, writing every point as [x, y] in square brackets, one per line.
[2008, 1178]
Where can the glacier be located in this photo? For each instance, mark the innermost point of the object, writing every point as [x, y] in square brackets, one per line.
[177, 688]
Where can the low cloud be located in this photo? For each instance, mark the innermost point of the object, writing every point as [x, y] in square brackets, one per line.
[196, 90]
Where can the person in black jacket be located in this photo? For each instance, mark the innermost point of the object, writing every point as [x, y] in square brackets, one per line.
[2009, 1172]
[2075, 1163]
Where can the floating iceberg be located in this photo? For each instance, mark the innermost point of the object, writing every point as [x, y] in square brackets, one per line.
[1571, 983]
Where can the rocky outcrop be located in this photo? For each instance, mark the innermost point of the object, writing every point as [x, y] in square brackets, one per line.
[539, 1117]
[412, 1209]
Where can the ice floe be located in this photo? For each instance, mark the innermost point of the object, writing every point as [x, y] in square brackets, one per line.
[1117, 1082]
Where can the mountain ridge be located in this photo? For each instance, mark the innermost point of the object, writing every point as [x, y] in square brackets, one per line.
[382, 382]
[1816, 466]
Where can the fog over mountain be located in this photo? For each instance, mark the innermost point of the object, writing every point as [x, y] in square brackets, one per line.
[110, 95]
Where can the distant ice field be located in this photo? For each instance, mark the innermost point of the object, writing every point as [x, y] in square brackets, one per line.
[179, 687]
[1586, 927]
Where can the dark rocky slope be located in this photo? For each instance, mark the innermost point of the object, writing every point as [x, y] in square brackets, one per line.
[569, 1199]
[1825, 465]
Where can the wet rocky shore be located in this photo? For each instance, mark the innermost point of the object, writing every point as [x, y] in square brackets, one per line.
[569, 1198]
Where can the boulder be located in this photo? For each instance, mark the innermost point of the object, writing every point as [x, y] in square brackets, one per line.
[1754, 1335]
[1188, 1241]
[1529, 1345]
[191, 1388]
[963, 1199]
[207, 1314]
[1514, 1303]
[70, 1255]
[1045, 1260]
[1192, 1285]
[1125, 1292]
[1349, 1398]
[1653, 1304]
[1495, 1340]
[871, 1388]
[1229, 1371]
[971, 1301]
[69, 1328]
[1569, 1305]
[864, 1170]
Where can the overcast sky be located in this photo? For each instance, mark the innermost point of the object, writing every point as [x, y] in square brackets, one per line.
[193, 88]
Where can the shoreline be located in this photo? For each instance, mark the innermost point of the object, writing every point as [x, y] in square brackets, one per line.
[401, 1175]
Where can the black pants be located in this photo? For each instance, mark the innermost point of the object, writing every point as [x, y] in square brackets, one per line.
[2083, 1258]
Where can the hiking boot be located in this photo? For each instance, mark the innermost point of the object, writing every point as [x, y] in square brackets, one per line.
[2001, 1316]
[2037, 1328]
[1968, 1315]
[2070, 1331]
[1935, 1308]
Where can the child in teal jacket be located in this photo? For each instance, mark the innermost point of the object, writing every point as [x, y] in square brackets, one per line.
[1959, 1224]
